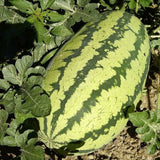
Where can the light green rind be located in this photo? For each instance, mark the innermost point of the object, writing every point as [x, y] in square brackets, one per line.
[92, 81]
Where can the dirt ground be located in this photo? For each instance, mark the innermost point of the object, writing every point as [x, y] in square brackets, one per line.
[128, 146]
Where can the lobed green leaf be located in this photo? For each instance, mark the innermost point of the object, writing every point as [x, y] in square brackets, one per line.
[148, 126]
[9, 141]
[151, 149]
[148, 136]
[112, 1]
[145, 3]
[141, 130]
[8, 101]
[41, 31]
[61, 31]
[21, 139]
[67, 5]
[39, 51]
[23, 5]
[35, 100]
[138, 118]
[155, 43]
[32, 152]
[22, 65]
[10, 16]
[52, 16]
[33, 81]
[87, 13]
[38, 70]
[10, 74]
[4, 84]
[3, 124]
[82, 3]
[46, 4]
[132, 4]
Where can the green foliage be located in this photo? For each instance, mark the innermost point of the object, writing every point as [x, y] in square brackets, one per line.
[148, 127]
[3, 124]
[156, 44]
[23, 6]
[38, 28]
[26, 140]
[52, 28]
[22, 95]
[144, 3]
[29, 95]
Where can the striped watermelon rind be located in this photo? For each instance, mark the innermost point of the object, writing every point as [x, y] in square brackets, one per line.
[92, 80]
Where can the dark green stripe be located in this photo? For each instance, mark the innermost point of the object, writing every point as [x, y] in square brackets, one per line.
[45, 126]
[76, 53]
[119, 29]
[89, 32]
[114, 119]
[112, 122]
[110, 83]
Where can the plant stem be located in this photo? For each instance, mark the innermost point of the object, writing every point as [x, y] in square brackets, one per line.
[137, 6]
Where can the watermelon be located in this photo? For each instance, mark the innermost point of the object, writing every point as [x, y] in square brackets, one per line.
[94, 78]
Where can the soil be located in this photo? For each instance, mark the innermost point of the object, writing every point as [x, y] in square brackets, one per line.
[127, 145]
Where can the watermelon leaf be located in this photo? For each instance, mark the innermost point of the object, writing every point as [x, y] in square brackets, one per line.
[112, 1]
[145, 3]
[3, 124]
[143, 129]
[138, 118]
[132, 4]
[7, 100]
[41, 30]
[46, 4]
[21, 139]
[11, 131]
[10, 74]
[82, 3]
[88, 13]
[155, 43]
[61, 31]
[146, 137]
[103, 3]
[38, 70]
[41, 50]
[148, 127]
[9, 15]
[67, 5]
[4, 84]
[30, 151]
[29, 96]
[23, 5]
[151, 149]
[34, 98]
[26, 140]
[52, 16]
[22, 65]
[8, 141]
